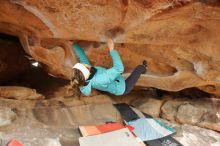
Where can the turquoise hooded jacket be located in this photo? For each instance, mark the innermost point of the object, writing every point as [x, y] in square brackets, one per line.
[109, 80]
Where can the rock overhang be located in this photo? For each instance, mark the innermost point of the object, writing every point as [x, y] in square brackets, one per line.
[179, 38]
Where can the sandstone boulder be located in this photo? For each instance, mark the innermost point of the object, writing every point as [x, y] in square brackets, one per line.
[150, 106]
[179, 38]
[169, 109]
[19, 93]
[193, 135]
[6, 116]
[203, 112]
[189, 114]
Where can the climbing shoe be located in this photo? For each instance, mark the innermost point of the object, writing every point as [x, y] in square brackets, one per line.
[144, 63]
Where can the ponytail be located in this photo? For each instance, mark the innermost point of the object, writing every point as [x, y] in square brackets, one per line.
[78, 79]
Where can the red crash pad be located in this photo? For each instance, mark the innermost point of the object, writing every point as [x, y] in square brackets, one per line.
[15, 142]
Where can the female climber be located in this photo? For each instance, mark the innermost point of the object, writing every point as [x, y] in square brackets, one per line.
[109, 80]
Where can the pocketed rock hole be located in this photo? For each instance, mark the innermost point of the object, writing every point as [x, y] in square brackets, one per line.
[21, 70]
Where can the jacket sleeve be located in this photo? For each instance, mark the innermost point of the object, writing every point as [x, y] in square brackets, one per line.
[111, 74]
[86, 90]
[81, 54]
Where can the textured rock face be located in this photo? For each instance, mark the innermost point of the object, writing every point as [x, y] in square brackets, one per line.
[19, 93]
[179, 38]
[198, 111]
[50, 124]
[6, 116]
[192, 135]
[203, 113]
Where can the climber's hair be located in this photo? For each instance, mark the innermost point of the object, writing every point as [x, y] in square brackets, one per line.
[78, 79]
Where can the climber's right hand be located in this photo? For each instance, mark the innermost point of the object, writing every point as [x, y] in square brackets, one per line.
[70, 42]
[110, 44]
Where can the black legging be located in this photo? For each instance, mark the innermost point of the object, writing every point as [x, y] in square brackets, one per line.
[133, 78]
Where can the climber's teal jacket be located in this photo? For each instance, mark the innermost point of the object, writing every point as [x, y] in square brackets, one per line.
[109, 80]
